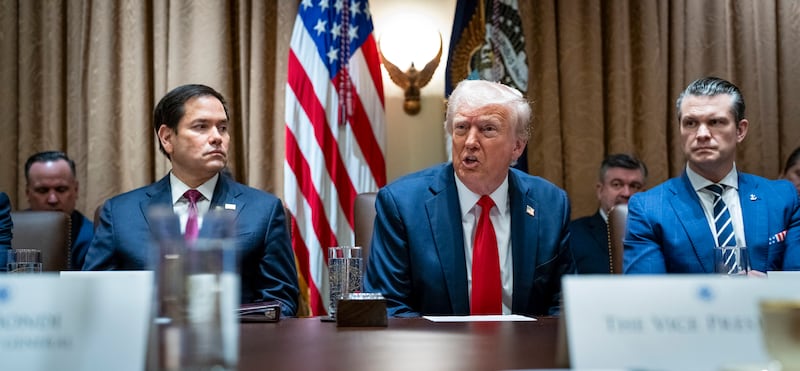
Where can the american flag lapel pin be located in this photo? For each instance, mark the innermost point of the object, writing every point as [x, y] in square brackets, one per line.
[753, 197]
[230, 206]
[529, 209]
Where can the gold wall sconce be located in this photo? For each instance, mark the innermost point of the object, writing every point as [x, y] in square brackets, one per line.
[411, 80]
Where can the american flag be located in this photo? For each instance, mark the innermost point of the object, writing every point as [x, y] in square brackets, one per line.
[334, 133]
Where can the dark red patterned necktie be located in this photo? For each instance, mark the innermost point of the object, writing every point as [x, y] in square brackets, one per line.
[486, 286]
[192, 229]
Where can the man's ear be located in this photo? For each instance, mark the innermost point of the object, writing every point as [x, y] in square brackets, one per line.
[741, 130]
[165, 137]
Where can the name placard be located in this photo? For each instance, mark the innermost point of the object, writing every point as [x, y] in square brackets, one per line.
[667, 322]
[78, 321]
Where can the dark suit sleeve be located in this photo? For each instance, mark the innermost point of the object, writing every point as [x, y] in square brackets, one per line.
[6, 225]
[276, 278]
[388, 268]
[100, 254]
[565, 261]
[791, 258]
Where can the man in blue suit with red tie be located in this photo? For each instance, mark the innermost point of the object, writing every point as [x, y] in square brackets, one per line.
[191, 123]
[673, 227]
[473, 236]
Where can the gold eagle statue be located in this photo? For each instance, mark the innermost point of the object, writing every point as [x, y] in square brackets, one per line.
[412, 80]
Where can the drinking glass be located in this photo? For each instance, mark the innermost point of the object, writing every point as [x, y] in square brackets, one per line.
[780, 327]
[24, 261]
[731, 260]
[198, 293]
[345, 272]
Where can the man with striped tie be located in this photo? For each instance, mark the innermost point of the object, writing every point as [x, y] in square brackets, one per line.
[676, 226]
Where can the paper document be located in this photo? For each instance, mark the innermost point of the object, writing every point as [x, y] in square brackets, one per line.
[487, 318]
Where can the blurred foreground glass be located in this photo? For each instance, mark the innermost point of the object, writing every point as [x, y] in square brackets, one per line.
[195, 322]
[345, 273]
[731, 260]
[780, 327]
[24, 261]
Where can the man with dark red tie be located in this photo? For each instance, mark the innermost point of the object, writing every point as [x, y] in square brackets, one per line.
[191, 123]
[473, 236]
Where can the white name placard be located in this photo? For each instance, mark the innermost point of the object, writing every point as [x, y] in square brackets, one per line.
[77, 321]
[667, 322]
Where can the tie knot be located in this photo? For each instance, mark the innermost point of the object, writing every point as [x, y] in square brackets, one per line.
[193, 196]
[485, 203]
[716, 189]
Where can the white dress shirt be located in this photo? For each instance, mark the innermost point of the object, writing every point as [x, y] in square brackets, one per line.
[180, 204]
[501, 220]
[730, 196]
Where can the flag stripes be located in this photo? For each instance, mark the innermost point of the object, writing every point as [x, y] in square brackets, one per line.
[334, 132]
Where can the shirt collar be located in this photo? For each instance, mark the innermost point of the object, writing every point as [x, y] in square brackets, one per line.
[179, 187]
[467, 199]
[699, 183]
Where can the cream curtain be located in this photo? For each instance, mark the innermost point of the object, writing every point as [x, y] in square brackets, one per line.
[83, 76]
[605, 76]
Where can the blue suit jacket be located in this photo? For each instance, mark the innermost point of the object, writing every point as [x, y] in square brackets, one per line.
[82, 233]
[667, 231]
[6, 225]
[265, 254]
[588, 238]
[417, 255]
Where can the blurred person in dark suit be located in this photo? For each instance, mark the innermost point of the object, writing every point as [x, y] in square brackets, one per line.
[621, 175]
[52, 185]
[473, 236]
[791, 171]
[192, 126]
[672, 228]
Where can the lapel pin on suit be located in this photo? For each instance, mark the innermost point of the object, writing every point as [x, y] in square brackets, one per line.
[753, 197]
[230, 206]
[530, 210]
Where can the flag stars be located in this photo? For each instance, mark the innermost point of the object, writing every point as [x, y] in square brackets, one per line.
[339, 4]
[354, 8]
[323, 4]
[333, 55]
[352, 32]
[320, 26]
[336, 31]
[306, 4]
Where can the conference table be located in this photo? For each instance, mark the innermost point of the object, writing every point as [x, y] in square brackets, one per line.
[405, 344]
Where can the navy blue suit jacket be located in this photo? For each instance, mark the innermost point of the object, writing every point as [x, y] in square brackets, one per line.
[266, 260]
[81, 234]
[667, 231]
[588, 238]
[6, 225]
[417, 255]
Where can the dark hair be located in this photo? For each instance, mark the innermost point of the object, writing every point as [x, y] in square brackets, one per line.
[711, 86]
[171, 108]
[47, 156]
[792, 160]
[624, 161]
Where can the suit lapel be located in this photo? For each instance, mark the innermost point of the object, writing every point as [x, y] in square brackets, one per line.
[753, 211]
[448, 237]
[159, 194]
[524, 245]
[689, 213]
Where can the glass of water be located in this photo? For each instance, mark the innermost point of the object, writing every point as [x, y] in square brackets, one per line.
[731, 260]
[345, 274]
[24, 261]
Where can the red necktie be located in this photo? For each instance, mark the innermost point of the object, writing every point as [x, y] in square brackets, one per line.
[192, 228]
[486, 287]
